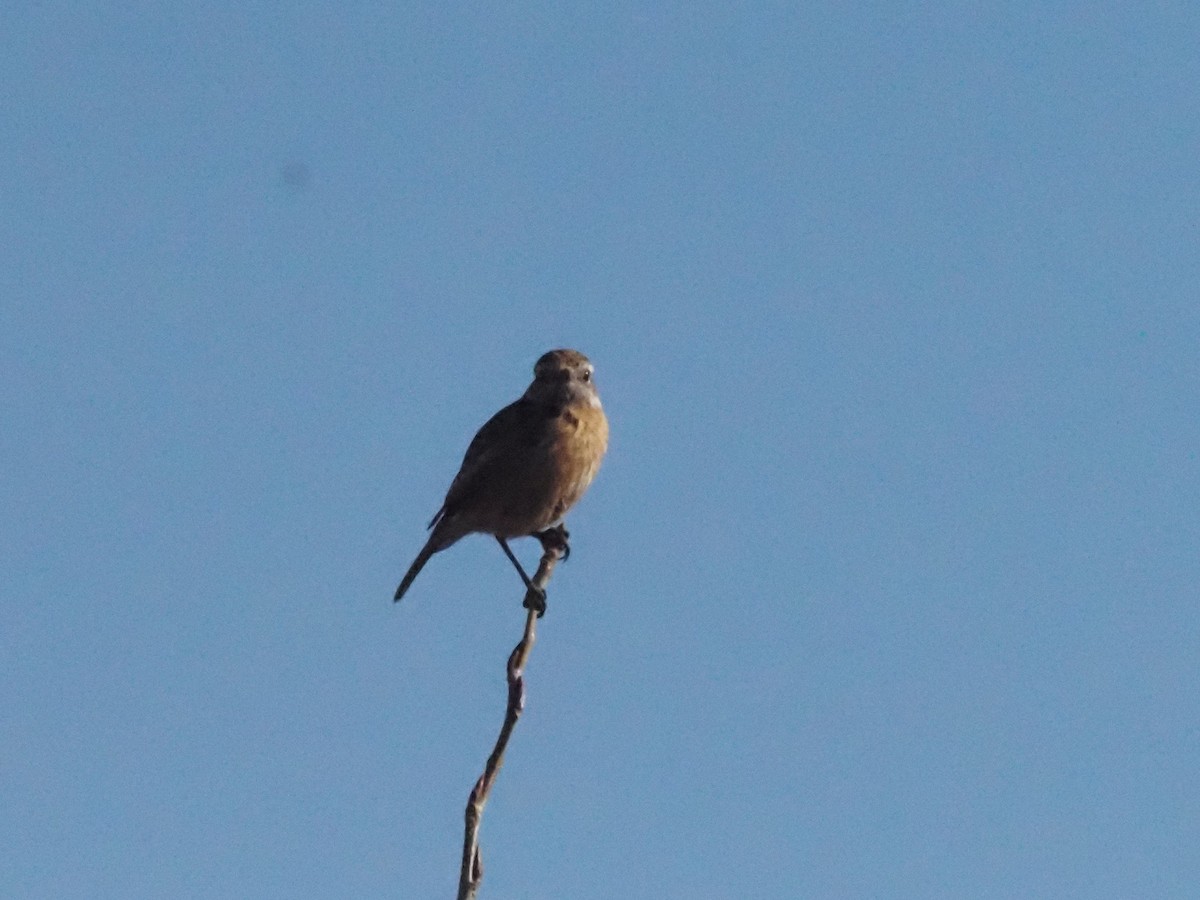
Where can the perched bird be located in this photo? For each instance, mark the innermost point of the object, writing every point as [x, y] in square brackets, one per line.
[527, 466]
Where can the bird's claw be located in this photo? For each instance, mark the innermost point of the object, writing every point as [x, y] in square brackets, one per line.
[535, 599]
[557, 539]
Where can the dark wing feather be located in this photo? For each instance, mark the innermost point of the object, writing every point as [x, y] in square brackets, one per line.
[500, 436]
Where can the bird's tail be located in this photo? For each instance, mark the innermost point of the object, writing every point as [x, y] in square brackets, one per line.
[414, 570]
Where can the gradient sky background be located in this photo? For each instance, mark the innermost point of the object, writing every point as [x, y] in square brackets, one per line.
[888, 586]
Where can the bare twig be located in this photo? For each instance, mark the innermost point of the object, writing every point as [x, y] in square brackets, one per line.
[471, 873]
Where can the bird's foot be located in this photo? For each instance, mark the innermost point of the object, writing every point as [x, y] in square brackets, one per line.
[535, 599]
[557, 539]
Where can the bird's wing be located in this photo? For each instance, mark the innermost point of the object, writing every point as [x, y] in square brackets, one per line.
[511, 432]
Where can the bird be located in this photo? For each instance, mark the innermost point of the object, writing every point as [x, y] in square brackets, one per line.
[526, 467]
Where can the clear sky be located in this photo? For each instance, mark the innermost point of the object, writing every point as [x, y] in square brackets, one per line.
[887, 588]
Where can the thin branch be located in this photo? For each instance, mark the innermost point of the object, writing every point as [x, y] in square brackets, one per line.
[471, 873]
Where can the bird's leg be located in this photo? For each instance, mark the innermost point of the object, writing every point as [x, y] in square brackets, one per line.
[535, 597]
[556, 539]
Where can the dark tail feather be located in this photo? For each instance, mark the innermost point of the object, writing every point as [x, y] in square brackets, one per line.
[415, 569]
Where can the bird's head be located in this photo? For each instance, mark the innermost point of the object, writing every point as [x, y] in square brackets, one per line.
[564, 376]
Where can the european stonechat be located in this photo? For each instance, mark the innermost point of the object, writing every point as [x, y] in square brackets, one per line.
[527, 466]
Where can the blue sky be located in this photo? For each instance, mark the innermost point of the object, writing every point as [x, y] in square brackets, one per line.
[887, 587]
